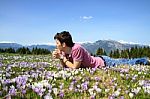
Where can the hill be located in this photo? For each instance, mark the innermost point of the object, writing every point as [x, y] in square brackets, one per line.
[107, 45]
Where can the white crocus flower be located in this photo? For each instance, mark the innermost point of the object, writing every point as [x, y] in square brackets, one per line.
[13, 80]
[78, 86]
[95, 87]
[55, 90]
[122, 75]
[24, 86]
[68, 74]
[141, 82]
[98, 90]
[55, 75]
[139, 73]
[50, 78]
[115, 78]
[48, 96]
[43, 76]
[45, 83]
[146, 89]
[91, 91]
[117, 93]
[76, 72]
[107, 90]
[131, 95]
[71, 77]
[49, 90]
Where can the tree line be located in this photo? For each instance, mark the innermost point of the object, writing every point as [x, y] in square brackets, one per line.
[26, 50]
[133, 52]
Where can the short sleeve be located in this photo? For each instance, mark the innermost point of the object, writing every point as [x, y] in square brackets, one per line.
[78, 54]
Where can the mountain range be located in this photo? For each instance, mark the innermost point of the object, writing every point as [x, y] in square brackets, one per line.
[107, 45]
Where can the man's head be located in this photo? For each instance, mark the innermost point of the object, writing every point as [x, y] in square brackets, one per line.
[64, 39]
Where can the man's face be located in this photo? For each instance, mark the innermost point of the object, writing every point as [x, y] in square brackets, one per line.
[58, 45]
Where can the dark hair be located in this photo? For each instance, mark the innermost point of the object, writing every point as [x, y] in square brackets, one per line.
[64, 37]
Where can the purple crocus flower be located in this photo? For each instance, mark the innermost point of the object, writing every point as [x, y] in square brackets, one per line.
[92, 71]
[7, 81]
[8, 74]
[122, 97]
[75, 90]
[74, 80]
[37, 90]
[8, 68]
[48, 96]
[21, 81]
[0, 93]
[61, 86]
[97, 79]
[84, 86]
[124, 70]
[61, 94]
[71, 87]
[12, 90]
[1, 64]
[92, 97]
[24, 91]
[111, 97]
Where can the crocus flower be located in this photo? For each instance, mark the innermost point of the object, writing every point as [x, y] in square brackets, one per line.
[111, 97]
[91, 91]
[122, 97]
[12, 90]
[92, 97]
[131, 95]
[1, 64]
[48, 96]
[84, 86]
[55, 91]
[23, 91]
[98, 90]
[116, 93]
[97, 78]
[61, 94]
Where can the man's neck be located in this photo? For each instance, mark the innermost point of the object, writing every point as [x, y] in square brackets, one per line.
[68, 50]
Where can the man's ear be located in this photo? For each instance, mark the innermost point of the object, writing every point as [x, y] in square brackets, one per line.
[63, 44]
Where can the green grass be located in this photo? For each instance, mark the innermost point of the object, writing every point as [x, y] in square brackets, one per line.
[39, 68]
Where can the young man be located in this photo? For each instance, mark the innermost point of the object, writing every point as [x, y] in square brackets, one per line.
[74, 55]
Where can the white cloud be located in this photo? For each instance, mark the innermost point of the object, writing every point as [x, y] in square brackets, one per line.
[40, 44]
[86, 17]
[125, 42]
[84, 42]
[6, 42]
[122, 41]
[48, 43]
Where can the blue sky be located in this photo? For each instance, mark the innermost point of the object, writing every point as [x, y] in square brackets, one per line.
[37, 21]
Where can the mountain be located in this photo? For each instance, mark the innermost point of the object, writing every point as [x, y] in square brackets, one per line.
[16, 46]
[108, 45]
[49, 47]
[8, 45]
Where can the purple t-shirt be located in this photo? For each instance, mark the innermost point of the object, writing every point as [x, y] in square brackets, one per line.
[79, 53]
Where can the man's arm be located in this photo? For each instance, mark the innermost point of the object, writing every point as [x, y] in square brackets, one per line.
[74, 65]
[62, 63]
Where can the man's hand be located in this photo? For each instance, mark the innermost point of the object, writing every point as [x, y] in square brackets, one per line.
[56, 53]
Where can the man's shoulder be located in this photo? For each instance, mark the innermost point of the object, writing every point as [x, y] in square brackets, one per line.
[77, 46]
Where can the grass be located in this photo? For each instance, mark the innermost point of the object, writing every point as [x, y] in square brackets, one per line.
[40, 76]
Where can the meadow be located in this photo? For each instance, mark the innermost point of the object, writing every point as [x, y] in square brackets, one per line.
[42, 77]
